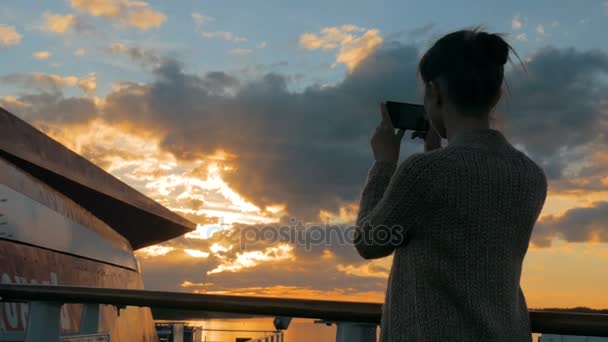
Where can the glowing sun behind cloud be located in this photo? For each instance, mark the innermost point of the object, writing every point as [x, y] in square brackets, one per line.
[193, 188]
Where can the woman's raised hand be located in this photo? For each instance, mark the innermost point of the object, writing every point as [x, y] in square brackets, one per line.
[386, 141]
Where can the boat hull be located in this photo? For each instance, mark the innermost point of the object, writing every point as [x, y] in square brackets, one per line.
[23, 264]
[46, 238]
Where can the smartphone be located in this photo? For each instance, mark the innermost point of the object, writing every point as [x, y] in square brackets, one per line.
[408, 116]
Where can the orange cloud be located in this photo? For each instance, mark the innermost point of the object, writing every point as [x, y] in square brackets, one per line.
[9, 36]
[124, 12]
[145, 18]
[88, 84]
[330, 37]
[56, 79]
[251, 259]
[105, 8]
[57, 23]
[41, 55]
[195, 253]
[370, 269]
[345, 215]
[11, 101]
[191, 284]
[216, 247]
[276, 209]
[353, 48]
[152, 251]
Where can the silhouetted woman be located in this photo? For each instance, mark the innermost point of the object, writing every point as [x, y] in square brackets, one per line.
[458, 218]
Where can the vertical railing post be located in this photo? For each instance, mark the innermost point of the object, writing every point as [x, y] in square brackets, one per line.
[90, 319]
[43, 322]
[178, 332]
[355, 332]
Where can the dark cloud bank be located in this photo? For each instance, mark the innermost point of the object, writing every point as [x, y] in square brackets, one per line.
[309, 149]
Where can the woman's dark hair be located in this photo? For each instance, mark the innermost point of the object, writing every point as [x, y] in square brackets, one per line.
[471, 62]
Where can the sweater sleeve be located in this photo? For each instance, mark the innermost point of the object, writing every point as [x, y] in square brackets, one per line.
[392, 203]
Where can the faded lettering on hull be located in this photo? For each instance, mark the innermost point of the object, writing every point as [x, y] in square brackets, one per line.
[23, 264]
[14, 315]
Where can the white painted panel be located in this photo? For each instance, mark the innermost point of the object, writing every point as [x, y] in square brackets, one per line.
[25, 220]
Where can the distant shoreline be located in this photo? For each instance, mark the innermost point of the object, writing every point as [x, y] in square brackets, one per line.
[575, 309]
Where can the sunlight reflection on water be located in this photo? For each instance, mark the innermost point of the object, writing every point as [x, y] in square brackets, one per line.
[300, 330]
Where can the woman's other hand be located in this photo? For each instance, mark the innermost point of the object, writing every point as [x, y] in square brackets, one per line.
[386, 142]
[432, 139]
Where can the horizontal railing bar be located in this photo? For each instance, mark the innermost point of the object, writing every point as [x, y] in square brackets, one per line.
[569, 323]
[238, 330]
[548, 322]
[263, 306]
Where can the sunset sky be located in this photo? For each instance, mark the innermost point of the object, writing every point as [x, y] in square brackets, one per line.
[237, 113]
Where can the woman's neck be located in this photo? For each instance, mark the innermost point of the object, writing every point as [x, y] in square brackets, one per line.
[459, 124]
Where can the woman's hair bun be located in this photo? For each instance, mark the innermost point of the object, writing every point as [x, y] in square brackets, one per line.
[496, 48]
[471, 62]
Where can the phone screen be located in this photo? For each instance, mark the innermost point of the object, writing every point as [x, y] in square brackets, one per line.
[407, 116]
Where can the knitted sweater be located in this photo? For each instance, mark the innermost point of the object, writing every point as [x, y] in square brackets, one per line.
[459, 220]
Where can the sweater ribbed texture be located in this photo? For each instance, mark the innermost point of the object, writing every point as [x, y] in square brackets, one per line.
[463, 215]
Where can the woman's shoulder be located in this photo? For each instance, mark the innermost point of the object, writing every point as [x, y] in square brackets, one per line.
[508, 156]
[440, 155]
[533, 168]
[427, 163]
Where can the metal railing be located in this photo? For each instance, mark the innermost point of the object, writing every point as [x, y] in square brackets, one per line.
[278, 336]
[353, 313]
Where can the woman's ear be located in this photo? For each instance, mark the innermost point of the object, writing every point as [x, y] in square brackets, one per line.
[496, 98]
[434, 90]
